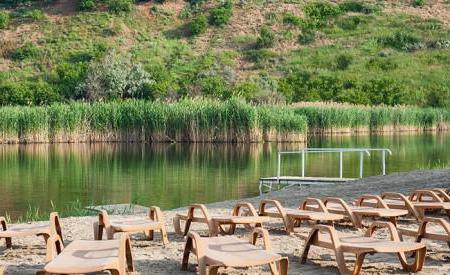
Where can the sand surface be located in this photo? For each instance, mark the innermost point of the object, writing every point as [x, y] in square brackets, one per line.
[151, 257]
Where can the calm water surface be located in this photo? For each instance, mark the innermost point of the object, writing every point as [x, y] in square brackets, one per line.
[174, 175]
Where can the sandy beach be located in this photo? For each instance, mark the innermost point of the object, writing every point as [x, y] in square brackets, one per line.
[151, 257]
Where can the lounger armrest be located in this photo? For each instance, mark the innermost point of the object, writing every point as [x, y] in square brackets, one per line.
[419, 194]
[125, 253]
[339, 201]
[198, 247]
[438, 221]
[442, 194]
[155, 214]
[313, 201]
[380, 203]
[54, 247]
[325, 229]
[275, 203]
[103, 218]
[247, 209]
[55, 225]
[264, 234]
[380, 225]
[201, 207]
[3, 223]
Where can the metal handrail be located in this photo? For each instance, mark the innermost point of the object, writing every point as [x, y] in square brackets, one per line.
[341, 151]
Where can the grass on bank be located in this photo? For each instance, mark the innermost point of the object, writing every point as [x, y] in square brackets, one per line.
[322, 118]
[194, 120]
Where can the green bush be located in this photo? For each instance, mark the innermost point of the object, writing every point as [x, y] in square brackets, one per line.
[266, 38]
[321, 12]
[402, 41]
[120, 6]
[259, 55]
[357, 6]
[27, 51]
[221, 15]
[114, 77]
[384, 91]
[30, 15]
[4, 19]
[349, 23]
[214, 86]
[290, 19]
[87, 5]
[15, 93]
[343, 61]
[383, 63]
[307, 36]
[198, 25]
[418, 3]
[43, 93]
[70, 75]
[245, 89]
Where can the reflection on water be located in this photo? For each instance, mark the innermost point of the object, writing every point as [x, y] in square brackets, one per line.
[174, 175]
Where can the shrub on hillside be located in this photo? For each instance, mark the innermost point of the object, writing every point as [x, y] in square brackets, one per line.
[29, 15]
[418, 3]
[349, 23]
[198, 25]
[27, 51]
[221, 15]
[321, 12]
[120, 6]
[87, 5]
[307, 36]
[290, 19]
[266, 38]
[4, 19]
[343, 61]
[384, 91]
[27, 93]
[70, 75]
[402, 41]
[115, 77]
[214, 86]
[245, 89]
[357, 6]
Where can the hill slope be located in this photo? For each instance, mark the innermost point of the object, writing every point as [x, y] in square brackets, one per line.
[365, 52]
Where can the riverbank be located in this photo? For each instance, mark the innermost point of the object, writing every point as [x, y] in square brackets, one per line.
[152, 257]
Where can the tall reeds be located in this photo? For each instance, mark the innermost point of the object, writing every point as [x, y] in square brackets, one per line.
[325, 119]
[145, 121]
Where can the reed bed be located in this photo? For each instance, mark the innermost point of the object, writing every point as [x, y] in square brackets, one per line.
[145, 121]
[346, 119]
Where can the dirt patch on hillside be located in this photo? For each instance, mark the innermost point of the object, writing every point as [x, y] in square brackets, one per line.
[437, 9]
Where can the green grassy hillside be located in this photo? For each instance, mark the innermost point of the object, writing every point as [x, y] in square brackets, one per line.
[364, 52]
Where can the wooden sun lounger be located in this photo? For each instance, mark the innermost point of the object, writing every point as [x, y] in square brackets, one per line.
[291, 217]
[327, 237]
[442, 193]
[87, 256]
[423, 232]
[155, 221]
[356, 213]
[229, 251]
[45, 229]
[243, 213]
[417, 203]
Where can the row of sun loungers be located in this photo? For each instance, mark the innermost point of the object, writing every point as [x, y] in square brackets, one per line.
[213, 252]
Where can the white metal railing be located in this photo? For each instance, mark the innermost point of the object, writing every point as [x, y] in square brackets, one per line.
[341, 152]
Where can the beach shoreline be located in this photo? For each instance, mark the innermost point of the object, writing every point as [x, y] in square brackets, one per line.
[151, 257]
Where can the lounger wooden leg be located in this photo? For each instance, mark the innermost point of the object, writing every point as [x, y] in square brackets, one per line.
[187, 251]
[283, 266]
[419, 259]
[149, 234]
[46, 236]
[129, 256]
[273, 268]
[116, 272]
[164, 238]
[213, 270]
[187, 226]
[109, 233]
[8, 242]
[98, 231]
[41, 272]
[177, 225]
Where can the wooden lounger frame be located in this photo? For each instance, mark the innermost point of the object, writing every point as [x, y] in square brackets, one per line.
[196, 245]
[356, 218]
[240, 209]
[155, 215]
[124, 263]
[423, 233]
[290, 222]
[335, 244]
[53, 228]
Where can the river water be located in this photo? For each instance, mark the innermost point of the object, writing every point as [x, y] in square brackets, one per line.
[45, 176]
